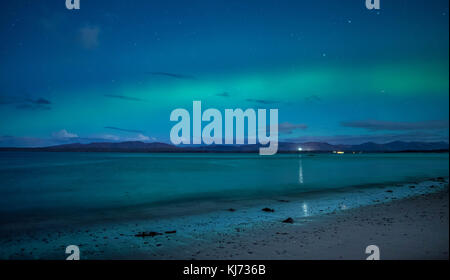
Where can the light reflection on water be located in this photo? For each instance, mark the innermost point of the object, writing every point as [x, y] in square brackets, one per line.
[69, 184]
[300, 171]
[305, 209]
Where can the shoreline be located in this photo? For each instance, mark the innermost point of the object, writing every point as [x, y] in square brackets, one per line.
[412, 228]
[202, 206]
[250, 233]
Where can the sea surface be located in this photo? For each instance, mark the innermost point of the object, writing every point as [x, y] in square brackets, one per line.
[43, 189]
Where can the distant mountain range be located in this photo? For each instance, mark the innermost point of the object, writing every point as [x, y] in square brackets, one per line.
[283, 147]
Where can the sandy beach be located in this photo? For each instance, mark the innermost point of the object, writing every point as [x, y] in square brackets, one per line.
[413, 228]
[409, 221]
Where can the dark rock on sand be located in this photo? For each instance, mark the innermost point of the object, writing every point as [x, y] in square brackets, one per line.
[289, 221]
[268, 210]
[170, 232]
[147, 234]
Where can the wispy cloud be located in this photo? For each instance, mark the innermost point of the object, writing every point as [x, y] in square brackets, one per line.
[416, 136]
[116, 138]
[28, 103]
[375, 125]
[139, 137]
[261, 101]
[124, 129]
[223, 94]
[65, 137]
[64, 134]
[123, 97]
[40, 101]
[173, 75]
[313, 99]
[107, 137]
[289, 128]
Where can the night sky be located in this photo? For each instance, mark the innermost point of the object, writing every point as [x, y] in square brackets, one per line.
[114, 70]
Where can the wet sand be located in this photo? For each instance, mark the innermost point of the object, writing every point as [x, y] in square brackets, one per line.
[413, 228]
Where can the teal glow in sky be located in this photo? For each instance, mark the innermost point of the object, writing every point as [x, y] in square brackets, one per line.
[114, 70]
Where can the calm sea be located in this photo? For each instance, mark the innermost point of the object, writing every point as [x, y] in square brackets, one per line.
[35, 186]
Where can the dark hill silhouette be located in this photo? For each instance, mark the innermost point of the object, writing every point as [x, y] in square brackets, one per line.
[283, 147]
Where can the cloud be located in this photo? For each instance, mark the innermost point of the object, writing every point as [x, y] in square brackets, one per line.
[374, 125]
[283, 129]
[115, 138]
[65, 137]
[261, 101]
[173, 75]
[41, 101]
[64, 134]
[223, 94]
[89, 37]
[27, 103]
[123, 97]
[139, 137]
[289, 128]
[313, 99]
[377, 138]
[124, 129]
[109, 137]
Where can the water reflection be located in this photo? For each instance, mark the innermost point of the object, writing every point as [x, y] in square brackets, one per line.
[300, 170]
[305, 209]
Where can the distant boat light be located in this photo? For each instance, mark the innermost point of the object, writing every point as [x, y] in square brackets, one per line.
[300, 149]
[340, 152]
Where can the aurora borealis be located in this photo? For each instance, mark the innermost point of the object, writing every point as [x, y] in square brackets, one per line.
[114, 70]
